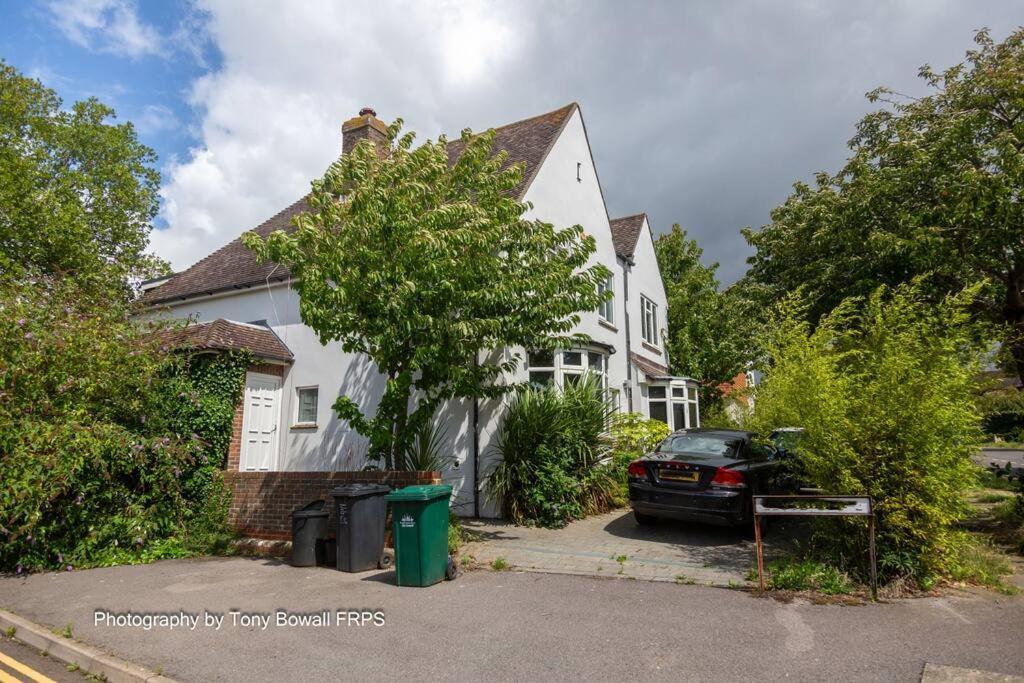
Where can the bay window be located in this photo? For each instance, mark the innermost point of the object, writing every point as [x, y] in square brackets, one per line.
[674, 404]
[564, 368]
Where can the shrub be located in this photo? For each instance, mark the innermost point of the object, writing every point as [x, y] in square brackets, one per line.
[106, 453]
[553, 455]
[884, 390]
[635, 433]
[1003, 414]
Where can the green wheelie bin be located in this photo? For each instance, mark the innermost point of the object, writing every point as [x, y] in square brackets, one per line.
[419, 519]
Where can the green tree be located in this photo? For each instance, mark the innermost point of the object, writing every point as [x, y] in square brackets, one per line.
[422, 265]
[710, 334]
[77, 192]
[932, 188]
[885, 389]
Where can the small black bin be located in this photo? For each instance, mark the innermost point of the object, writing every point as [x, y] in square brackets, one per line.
[362, 513]
[309, 529]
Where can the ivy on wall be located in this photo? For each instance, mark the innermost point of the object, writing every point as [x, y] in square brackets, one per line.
[111, 442]
[199, 401]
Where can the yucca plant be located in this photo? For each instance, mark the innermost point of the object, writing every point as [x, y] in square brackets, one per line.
[427, 452]
[552, 449]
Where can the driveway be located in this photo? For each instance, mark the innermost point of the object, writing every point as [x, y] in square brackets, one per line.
[511, 626]
[614, 545]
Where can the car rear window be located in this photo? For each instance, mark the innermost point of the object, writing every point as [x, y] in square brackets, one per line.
[699, 444]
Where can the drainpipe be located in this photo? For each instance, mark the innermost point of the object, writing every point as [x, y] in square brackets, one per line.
[476, 449]
[627, 263]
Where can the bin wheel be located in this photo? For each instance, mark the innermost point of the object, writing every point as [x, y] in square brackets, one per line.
[451, 571]
[387, 559]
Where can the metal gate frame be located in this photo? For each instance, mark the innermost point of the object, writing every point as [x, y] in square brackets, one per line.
[855, 506]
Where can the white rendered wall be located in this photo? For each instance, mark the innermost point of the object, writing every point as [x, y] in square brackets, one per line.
[559, 198]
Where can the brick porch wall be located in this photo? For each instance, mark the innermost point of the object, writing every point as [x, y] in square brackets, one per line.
[262, 502]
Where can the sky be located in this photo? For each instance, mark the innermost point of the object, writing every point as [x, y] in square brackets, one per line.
[701, 113]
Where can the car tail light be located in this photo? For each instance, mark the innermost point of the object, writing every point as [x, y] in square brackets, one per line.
[728, 478]
[637, 469]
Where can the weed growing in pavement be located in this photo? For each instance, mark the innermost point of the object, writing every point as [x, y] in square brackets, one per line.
[685, 580]
[806, 575]
[499, 564]
[10, 631]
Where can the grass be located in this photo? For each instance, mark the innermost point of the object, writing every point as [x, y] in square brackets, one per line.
[992, 497]
[807, 575]
[1008, 445]
[499, 564]
[988, 480]
[978, 562]
[10, 631]
[685, 580]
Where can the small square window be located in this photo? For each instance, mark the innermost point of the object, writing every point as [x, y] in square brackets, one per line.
[679, 392]
[656, 392]
[308, 397]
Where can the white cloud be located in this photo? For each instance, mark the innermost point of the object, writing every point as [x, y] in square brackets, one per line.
[290, 75]
[156, 118]
[702, 113]
[107, 26]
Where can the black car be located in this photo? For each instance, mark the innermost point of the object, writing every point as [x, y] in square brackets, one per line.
[704, 475]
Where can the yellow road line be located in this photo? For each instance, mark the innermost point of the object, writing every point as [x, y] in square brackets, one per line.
[22, 669]
[8, 678]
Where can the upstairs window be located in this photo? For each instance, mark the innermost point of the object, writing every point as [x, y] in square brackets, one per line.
[649, 321]
[607, 308]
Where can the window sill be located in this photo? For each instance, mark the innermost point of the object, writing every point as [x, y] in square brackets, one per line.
[651, 347]
[607, 325]
[304, 425]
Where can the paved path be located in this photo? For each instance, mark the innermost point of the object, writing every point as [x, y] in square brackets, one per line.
[514, 626]
[1000, 456]
[667, 551]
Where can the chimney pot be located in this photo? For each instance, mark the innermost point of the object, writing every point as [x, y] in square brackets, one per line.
[365, 126]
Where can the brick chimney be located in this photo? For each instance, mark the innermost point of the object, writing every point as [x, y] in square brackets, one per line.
[365, 126]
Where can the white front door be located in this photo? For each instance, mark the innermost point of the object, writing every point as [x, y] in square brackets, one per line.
[259, 421]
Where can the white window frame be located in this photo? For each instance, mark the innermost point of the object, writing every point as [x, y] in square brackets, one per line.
[297, 420]
[688, 401]
[560, 369]
[606, 309]
[648, 320]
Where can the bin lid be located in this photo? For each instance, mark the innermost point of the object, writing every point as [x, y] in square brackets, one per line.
[359, 490]
[421, 492]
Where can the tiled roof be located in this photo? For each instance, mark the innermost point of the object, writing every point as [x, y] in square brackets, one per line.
[235, 267]
[648, 367]
[625, 233]
[228, 335]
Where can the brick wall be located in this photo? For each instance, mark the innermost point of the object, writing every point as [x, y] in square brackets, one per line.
[262, 502]
[235, 447]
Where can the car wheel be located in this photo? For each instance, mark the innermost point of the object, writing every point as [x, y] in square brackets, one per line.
[644, 520]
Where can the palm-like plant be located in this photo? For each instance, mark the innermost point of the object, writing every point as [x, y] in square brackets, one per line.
[427, 451]
[551, 450]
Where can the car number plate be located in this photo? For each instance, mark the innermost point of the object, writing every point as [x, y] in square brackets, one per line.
[674, 475]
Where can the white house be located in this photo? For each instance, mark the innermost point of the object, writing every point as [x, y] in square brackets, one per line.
[286, 422]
